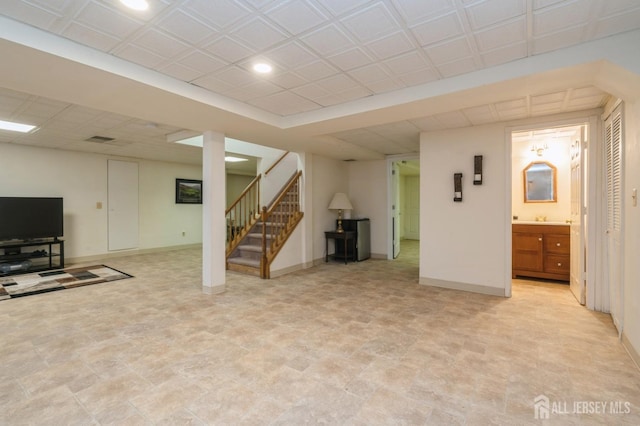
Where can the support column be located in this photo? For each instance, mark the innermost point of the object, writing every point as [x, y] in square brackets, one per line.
[213, 208]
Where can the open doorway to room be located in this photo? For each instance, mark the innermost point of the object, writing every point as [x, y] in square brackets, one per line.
[404, 208]
[549, 210]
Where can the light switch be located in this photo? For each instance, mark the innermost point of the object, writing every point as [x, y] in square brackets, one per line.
[99, 205]
[634, 197]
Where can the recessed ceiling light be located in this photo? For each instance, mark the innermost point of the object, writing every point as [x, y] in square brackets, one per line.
[262, 68]
[16, 127]
[230, 159]
[136, 4]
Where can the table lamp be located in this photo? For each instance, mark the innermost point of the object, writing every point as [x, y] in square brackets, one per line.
[340, 202]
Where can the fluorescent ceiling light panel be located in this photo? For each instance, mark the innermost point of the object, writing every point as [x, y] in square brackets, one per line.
[234, 159]
[16, 127]
[136, 4]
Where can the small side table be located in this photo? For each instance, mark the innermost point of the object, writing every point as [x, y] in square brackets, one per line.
[340, 237]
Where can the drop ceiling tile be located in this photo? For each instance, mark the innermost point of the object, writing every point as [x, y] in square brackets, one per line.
[107, 20]
[560, 17]
[587, 102]
[180, 72]
[328, 40]
[285, 103]
[90, 37]
[229, 50]
[221, 13]
[414, 11]
[512, 104]
[586, 92]
[630, 20]
[427, 124]
[371, 23]
[452, 120]
[338, 7]
[160, 43]
[436, 30]
[406, 63]
[503, 35]
[504, 54]
[480, 115]
[316, 70]
[288, 80]
[418, 77]
[296, 16]
[461, 66]
[369, 74]
[210, 82]
[34, 15]
[337, 83]
[201, 62]
[355, 92]
[311, 91]
[139, 55]
[557, 40]
[350, 59]
[449, 51]
[185, 27]
[252, 91]
[291, 55]
[259, 34]
[491, 12]
[384, 86]
[391, 45]
[328, 100]
[548, 98]
[235, 76]
[547, 108]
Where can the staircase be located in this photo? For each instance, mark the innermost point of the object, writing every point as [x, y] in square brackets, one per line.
[253, 245]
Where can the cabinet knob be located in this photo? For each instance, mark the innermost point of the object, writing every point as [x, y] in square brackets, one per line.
[559, 264]
[540, 239]
[558, 244]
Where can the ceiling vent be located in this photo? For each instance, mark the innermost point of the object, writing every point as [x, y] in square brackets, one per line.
[99, 139]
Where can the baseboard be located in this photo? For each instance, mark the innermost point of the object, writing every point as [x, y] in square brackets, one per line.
[123, 253]
[379, 256]
[633, 353]
[472, 288]
[287, 270]
[216, 289]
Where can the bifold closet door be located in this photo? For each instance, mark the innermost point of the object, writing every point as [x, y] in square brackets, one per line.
[123, 204]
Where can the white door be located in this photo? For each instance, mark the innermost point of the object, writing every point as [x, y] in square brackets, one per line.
[412, 211]
[613, 159]
[576, 280]
[122, 196]
[395, 208]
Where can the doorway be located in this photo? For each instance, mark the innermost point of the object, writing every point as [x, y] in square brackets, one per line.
[549, 231]
[404, 209]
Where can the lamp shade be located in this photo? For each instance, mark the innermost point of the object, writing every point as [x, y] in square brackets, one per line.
[340, 202]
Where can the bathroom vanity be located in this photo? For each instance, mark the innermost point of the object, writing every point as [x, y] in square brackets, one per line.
[540, 250]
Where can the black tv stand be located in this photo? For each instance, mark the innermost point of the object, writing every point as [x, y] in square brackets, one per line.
[21, 257]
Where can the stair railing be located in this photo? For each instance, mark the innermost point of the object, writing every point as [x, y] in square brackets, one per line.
[242, 214]
[279, 221]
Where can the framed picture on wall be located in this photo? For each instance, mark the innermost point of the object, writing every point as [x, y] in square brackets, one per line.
[188, 191]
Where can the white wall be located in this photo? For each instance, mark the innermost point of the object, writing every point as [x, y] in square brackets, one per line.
[463, 243]
[367, 191]
[631, 227]
[329, 176]
[81, 179]
[235, 185]
[559, 155]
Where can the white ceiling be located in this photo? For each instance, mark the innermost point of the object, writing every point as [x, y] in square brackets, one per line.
[325, 53]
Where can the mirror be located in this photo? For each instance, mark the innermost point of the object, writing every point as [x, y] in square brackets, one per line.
[540, 183]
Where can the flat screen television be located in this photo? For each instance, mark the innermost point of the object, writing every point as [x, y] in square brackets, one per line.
[29, 218]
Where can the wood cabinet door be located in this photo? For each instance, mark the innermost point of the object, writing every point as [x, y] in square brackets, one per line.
[527, 252]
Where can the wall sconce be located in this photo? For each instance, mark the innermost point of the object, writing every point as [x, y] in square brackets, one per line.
[340, 202]
[539, 149]
[457, 187]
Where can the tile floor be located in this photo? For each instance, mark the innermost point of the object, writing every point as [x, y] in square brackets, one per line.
[356, 344]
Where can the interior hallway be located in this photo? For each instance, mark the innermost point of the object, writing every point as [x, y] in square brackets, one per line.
[360, 344]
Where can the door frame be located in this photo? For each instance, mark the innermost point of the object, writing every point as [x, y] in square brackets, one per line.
[391, 195]
[594, 204]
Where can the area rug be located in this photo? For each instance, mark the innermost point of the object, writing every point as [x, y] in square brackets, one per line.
[42, 282]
